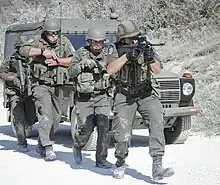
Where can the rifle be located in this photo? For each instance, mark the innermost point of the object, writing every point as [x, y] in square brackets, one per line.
[22, 69]
[141, 45]
[59, 72]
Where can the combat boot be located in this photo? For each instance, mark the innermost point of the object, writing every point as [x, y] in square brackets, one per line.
[119, 171]
[103, 164]
[50, 155]
[158, 171]
[22, 148]
[77, 155]
[40, 150]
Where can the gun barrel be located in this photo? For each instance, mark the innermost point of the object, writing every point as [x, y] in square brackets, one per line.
[159, 44]
[22, 78]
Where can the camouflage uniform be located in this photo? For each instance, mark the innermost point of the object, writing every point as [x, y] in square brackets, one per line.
[136, 90]
[45, 87]
[91, 101]
[18, 104]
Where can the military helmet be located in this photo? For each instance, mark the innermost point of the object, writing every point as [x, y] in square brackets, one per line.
[127, 29]
[51, 26]
[96, 33]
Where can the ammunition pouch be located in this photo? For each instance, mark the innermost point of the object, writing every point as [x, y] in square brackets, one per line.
[102, 81]
[85, 83]
[50, 75]
[62, 76]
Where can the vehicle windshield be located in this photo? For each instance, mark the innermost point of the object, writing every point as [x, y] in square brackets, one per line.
[11, 39]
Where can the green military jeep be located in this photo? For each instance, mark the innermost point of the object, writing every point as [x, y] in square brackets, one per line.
[176, 91]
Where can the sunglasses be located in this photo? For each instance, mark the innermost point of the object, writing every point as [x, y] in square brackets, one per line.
[52, 33]
[97, 41]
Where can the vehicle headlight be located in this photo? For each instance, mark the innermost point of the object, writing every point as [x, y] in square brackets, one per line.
[187, 89]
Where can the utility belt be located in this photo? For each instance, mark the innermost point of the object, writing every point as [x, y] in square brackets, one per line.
[134, 90]
[93, 94]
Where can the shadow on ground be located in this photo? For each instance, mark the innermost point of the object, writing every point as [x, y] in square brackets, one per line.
[67, 158]
[63, 137]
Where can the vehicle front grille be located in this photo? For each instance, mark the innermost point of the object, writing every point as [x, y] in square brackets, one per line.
[170, 90]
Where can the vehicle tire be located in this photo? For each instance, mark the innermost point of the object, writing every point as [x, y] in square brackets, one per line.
[179, 132]
[28, 130]
[92, 142]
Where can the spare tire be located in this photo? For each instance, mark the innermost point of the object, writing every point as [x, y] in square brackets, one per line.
[92, 142]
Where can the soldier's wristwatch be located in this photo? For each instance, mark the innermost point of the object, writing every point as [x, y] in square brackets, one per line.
[42, 50]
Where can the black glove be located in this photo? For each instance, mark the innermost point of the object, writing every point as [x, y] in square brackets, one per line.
[148, 54]
[132, 54]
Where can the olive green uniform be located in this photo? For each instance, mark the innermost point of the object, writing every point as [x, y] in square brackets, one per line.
[92, 106]
[17, 103]
[136, 91]
[46, 85]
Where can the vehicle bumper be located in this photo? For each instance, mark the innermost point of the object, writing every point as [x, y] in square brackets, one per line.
[181, 111]
[177, 112]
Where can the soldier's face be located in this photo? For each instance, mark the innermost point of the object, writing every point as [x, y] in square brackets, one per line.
[131, 40]
[96, 46]
[52, 36]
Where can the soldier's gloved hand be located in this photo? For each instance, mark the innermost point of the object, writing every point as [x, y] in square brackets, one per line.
[16, 82]
[132, 54]
[148, 54]
[89, 64]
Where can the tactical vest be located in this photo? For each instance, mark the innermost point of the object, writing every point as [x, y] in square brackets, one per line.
[135, 76]
[90, 81]
[133, 73]
[52, 75]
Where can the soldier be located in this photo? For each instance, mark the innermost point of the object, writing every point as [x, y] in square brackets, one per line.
[91, 103]
[135, 91]
[15, 98]
[49, 53]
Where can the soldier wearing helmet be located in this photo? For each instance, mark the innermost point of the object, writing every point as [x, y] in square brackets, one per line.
[50, 53]
[16, 98]
[136, 90]
[91, 85]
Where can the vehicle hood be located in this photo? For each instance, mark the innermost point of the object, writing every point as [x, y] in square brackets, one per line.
[166, 74]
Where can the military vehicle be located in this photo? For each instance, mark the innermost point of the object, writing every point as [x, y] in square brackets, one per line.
[177, 91]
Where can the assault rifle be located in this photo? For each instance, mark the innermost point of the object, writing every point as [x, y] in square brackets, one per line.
[22, 69]
[142, 41]
[141, 45]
